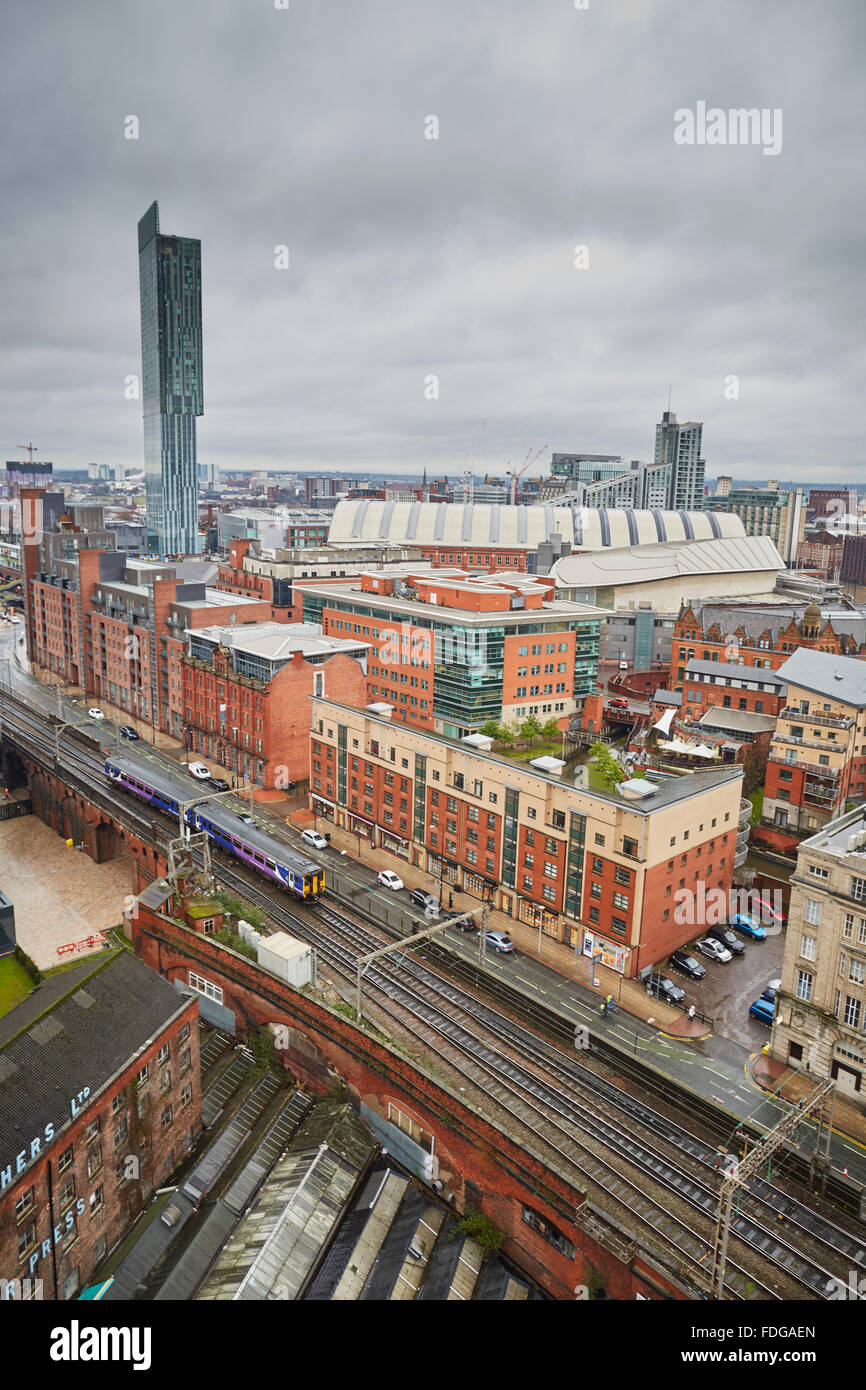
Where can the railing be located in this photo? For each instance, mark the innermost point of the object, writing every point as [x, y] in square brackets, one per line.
[745, 814]
[740, 857]
[807, 742]
[817, 769]
[826, 720]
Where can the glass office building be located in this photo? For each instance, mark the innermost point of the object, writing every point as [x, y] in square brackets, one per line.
[171, 362]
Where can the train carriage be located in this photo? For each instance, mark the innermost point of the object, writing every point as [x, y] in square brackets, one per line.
[267, 855]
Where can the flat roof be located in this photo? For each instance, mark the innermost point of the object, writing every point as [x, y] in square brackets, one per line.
[278, 641]
[667, 793]
[737, 720]
[552, 609]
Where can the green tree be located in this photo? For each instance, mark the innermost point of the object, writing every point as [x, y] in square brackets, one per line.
[609, 769]
[505, 734]
[530, 729]
[551, 729]
[490, 728]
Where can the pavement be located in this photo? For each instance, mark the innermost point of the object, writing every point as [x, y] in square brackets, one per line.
[712, 1065]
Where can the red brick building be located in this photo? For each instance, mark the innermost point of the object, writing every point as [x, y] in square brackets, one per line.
[85, 1138]
[247, 691]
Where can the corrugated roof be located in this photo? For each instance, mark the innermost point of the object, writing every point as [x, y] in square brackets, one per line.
[729, 670]
[737, 720]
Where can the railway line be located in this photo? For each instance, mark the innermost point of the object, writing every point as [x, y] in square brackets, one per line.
[558, 1102]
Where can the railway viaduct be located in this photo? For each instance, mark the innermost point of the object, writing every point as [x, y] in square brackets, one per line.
[551, 1231]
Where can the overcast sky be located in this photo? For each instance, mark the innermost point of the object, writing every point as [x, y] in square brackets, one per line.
[412, 257]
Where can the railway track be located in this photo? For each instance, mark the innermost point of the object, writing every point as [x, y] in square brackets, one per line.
[472, 1038]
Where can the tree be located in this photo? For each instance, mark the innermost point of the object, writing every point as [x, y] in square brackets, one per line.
[530, 729]
[609, 769]
[490, 729]
[551, 729]
[505, 734]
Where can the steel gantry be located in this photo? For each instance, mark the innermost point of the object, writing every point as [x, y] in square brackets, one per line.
[364, 961]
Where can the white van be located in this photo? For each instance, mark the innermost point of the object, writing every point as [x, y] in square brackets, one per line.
[314, 839]
[199, 771]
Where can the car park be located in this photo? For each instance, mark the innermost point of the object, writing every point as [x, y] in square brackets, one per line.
[389, 879]
[713, 948]
[219, 784]
[314, 839]
[127, 731]
[200, 771]
[742, 922]
[770, 916]
[498, 941]
[428, 902]
[663, 988]
[687, 965]
[727, 938]
[763, 1011]
[96, 714]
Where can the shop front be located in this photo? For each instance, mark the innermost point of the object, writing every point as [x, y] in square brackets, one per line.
[604, 952]
[541, 918]
[320, 807]
[394, 843]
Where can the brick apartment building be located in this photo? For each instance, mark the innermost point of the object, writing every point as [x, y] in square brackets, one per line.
[820, 1024]
[597, 871]
[247, 692]
[453, 650]
[722, 683]
[821, 553]
[818, 754]
[100, 1099]
[269, 575]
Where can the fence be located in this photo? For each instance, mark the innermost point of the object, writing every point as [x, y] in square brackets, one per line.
[10, 809]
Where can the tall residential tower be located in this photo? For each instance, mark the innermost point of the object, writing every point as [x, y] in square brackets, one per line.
[678, 457]
[171, 360]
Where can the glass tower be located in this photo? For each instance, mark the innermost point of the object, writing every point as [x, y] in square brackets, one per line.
[171, 367]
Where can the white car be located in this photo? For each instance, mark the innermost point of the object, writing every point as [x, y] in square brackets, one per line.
[200, 771]
[312, 837]
[713, 948]
[96, 714]
[389, 879]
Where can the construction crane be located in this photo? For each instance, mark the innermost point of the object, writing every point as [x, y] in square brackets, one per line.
[31, 449]
[515, 474]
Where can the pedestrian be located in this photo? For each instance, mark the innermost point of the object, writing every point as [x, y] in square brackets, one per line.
[691, 1012]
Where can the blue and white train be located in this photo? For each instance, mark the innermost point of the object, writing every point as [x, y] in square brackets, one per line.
[255, 847]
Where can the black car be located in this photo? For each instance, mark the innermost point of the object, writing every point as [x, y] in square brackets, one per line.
[219, 784]
[456, 919]
[127, 731]
[682, 961]
[426, 901]
[727, 938]
[663, 988]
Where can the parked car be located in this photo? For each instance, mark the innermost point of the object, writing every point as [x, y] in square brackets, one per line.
[220, 784]
[96, 714]
[314, 839]
[427, 902]
[712, 947]
[618, 704]
[681, 960]
[763, 1011]
[246, 818]
[461, 923]
[770, 915]
[499, 941]
[727, 938]
[663, 988]
[748, 926]
[769, 994]
[127, 731]
[200, 771]
[389, 879]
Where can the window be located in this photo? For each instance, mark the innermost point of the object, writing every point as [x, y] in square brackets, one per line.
[97, 1200]
[812, 913]
[411, 1127]
[26, 1239]
[165, 1118]
[64, 1160]
[858, 889]
[599, 839]
[817, 872]
[205, 987]
[94, 1161]
[120, 1132]
[856, 972]
[621, 901]
[24, 1204]
[548, 1232]
[141, 1077]
[163, 1054]
[67, 1194]
[118, 1102]
[809, 947]
[92, 1131]
[852, 1012]
[186, 1095]
[804, 985]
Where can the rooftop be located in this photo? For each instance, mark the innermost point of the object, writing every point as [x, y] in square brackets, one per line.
[551, 609]
[737, 720]
[647, 562]
[77, 1030]
[277, 641]
[843, 838]
[838, 677]
[729, 670]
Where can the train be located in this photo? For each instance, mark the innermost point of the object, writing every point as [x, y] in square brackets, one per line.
[268, 856]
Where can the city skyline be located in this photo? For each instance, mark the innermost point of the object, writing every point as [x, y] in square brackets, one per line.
[407, 257]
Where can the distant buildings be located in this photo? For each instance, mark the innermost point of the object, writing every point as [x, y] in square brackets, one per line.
[171, 361]
[767, 512]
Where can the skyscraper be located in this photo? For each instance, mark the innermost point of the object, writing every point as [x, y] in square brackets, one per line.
[171, 363]
[678, 451]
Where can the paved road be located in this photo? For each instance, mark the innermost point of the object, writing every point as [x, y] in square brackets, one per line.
[715, 1068]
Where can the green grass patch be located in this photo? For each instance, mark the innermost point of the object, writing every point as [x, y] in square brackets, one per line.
[15, 984]
[757, 800]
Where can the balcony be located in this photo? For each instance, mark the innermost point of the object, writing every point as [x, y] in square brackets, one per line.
[745, 814]
[825, 721]
[817, 769]
[740, 857]
[808, 743]
[825, 795]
